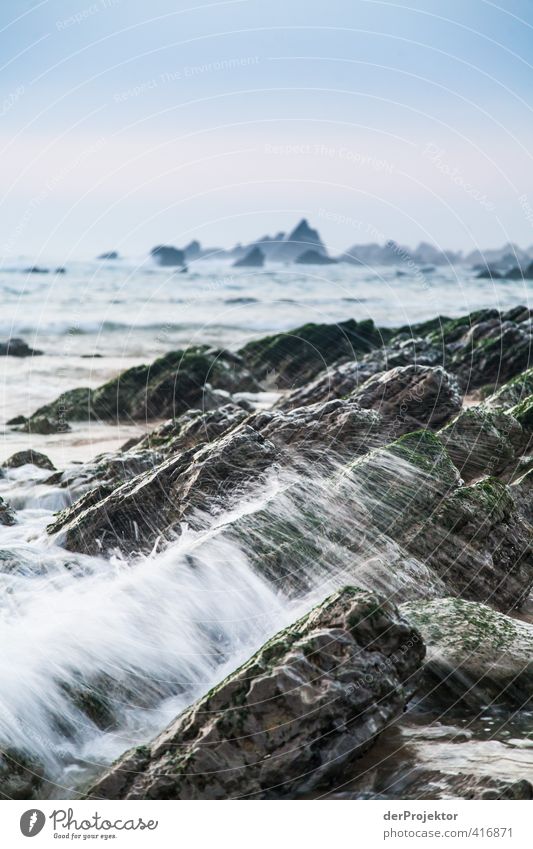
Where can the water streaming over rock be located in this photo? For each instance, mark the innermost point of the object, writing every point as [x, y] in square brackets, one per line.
[100, 653]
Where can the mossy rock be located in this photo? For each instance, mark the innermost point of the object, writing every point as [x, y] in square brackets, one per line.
[73, 405]
[424, 328]
[523, 413]
[168, 387]
[478, 542]
[513, 392]
[403, 482]
[35, 458]
[475, 655]
[482, 441]
[454, 328]
[297, 356]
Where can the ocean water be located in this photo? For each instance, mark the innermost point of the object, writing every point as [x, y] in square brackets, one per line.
[100, 318]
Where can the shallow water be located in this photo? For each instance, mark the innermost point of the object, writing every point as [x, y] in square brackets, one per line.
[152, 633]
[100, 318]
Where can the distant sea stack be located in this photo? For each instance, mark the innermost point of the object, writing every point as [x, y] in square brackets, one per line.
[193, 250]
[109, 255]
[253, 259]
[516, 272]
[391, 253]
[168, 256]
[17, 348]
[302, 239]
[500, 258]
[311, 257]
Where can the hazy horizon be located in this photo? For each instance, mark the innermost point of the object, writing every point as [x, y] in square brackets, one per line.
[122, 130]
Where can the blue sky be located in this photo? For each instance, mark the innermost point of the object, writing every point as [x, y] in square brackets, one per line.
[126, 123]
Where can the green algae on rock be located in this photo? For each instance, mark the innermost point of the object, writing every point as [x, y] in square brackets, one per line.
[475, 655]
[297, 356]
[483, 441]
[169, 386]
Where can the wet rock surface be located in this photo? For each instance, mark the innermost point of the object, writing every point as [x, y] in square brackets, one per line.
[7, 514]
[483, 441]
[475, 655]
[427, 756]
[17, 348]
[153, 504]
[21, 458]
[295, 358]
[479, 543]
[169, 386]
[411, 396]
[290, 720]
[20, 776]
[336, 428]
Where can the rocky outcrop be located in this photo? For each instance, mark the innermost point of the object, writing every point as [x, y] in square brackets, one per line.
[512, 392]
[335, 382]
[7, 515]
[255, 258]
[486, 348]
[292, 359]
[20, 776]
[331, 430]
[17, 348]
[474, 538]
[342, 379]
[482, 442]
[478, 541]
[153, 505]
[374, 470]
[518, 272]
[171, 385]
[291, 719]
[522, 492]
[167, 255]
[317, 362]
[302, 238]
[44, 425]
[109, 255]
[402, 482]
[21, 458]
[409, 397]
[314, 257]
[489, 274]
[191, 429]
[475, 655]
